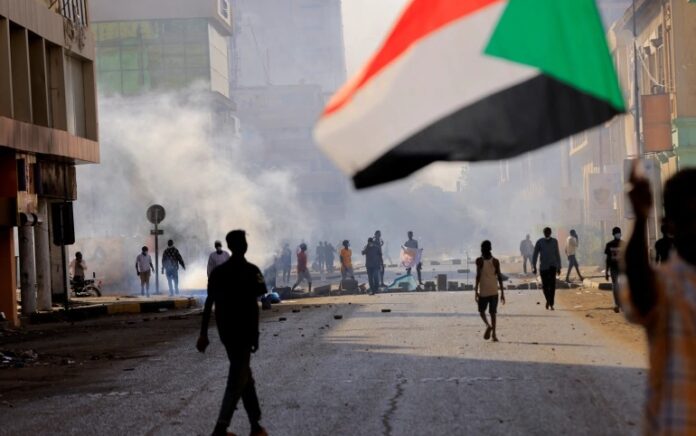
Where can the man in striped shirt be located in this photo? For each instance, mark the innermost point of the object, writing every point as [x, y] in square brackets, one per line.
[663, 300]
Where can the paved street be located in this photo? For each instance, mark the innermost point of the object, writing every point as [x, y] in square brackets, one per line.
[421, 369]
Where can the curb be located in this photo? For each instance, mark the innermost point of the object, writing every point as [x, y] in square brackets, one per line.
[603, 286]
[98, 310]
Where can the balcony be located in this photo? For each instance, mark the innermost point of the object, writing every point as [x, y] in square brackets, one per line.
[73, 10]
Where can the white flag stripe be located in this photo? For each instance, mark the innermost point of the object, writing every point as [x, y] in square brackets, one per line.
[441, 74]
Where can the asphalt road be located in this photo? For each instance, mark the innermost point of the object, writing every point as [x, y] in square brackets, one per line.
[421, 369]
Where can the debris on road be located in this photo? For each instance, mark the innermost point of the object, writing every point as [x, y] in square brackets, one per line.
[338, 316]
[386, 310]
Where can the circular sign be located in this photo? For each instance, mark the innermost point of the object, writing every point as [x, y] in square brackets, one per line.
[155, 214]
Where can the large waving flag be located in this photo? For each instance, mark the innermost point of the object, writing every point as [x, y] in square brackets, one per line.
[472, 80]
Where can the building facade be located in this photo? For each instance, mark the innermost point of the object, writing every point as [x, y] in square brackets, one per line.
[48, 124]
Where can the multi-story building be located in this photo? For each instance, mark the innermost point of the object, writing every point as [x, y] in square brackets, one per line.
[48, 124]
[289, 59]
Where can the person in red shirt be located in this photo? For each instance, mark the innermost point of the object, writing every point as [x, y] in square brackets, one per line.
[302, 270]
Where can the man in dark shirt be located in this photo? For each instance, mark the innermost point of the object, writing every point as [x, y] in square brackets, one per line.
[234, 288]
[612, 251]
[171, 259]
[373, 264]
[546, 250]
[663, 246]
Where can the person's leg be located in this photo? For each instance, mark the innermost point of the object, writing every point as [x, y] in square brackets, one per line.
[546, 278]
[170, 285]
[524, 264]
[176, 282]
[577, 268]
[381, 275]
[419, 268]
[237, 378]
[408, 271]
[482, 305]
[615, 289]
[570, 267]
[251, 402]
[552, 288]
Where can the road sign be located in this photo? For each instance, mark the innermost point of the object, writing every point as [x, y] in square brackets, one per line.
[155, 214]
[158, 232]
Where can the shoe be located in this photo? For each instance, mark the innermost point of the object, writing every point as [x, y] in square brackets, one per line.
[552, 308]
[260, 432]
[547, 306]
[495, 338]
[616, 309]
[487, 335]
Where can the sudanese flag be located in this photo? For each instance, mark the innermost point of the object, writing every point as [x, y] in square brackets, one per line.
[471, 80]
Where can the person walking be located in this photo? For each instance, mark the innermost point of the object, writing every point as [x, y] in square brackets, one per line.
[412, 243]
[488, 279]
[217, 257]
[143, 268]
[78, 268]
[612, 252]
[372, 264]
[302, 270]
[319, 257]
[380, 243]
[526, 251]
[571, 249]
[346, 257]
[329, 256]
[171, 259]
[663, 301]
[663, 246]
[286, 263]
[234, 288]
[546, 250]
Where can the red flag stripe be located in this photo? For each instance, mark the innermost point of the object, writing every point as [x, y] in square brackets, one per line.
[421, 18]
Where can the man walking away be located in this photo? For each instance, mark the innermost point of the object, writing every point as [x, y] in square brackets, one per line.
[217, 257]
[412, 243]
[286, 262]
[612, 251]
[302, 270]
[571, 249]
[346, 257]
[526, 251]
[380, 243]
[171, 259]
[546, 250]
[372, 264]
[78, 267]
[488, 278]
[663, 301]
[663, 246]
[143, 268]
[234, 288]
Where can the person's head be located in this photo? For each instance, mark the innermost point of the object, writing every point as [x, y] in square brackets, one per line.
[237, 243]
[346, 243]
[170, 243]
[616, 233]
[664, 230]
[486, 248]
[78, 256]
[528, 237]
[218, 246]
[410, 234]
[378, 234]
[303, 246]
[680, 212]
[144, 249]
[370, 241]
[547, 232]
[286, 245]
[573, 233]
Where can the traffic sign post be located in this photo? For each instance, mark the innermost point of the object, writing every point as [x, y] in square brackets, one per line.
[155, 214]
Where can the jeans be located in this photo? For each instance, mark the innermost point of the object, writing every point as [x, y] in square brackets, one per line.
[419, 268]
[525, 259]
[173, 281]
[548, 283]
[240, 384]
[346, 272]
[373, 278]
[615, 286]
[573, 262]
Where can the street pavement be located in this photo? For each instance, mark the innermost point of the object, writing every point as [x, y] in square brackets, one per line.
[421, 369]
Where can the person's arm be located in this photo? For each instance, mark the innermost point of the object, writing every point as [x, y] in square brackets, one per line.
[640, 274]
[180, 259]
[558, 259]
[203, 341]
[137, 270]
[499, 274]
[479, 264]
[607, 262]
[535, 256]
[210, 264]
[152, 267]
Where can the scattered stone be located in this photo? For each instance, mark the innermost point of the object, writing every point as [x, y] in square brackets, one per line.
[129, 369]
[282, 318]
[295, 310]
[386, 310]
[338, 316]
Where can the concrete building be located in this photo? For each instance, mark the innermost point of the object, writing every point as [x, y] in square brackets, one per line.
[48, 124]
[289, 59]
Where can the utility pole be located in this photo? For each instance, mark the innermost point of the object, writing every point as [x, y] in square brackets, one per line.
[636, 87]
[155, 214]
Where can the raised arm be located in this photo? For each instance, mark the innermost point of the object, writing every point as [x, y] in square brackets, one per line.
[640, 274]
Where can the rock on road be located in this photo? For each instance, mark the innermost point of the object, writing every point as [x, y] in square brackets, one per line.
[421, 369]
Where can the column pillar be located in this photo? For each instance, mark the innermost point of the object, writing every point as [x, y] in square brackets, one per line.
[27, 269]
[43, 258]
[8, 276]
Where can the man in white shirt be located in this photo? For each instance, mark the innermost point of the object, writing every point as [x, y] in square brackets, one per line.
[144, 267]
[78, 267]
[217, 257]
[570, 249]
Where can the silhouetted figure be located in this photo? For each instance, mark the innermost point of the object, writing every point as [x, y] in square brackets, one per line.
[612, 252]
[329, 256]
[488, 279]
[546, 250]
[217, 257]
[412, 243]
[372, 264]
[302, 270]
[526, 251]
[346, 258]
[171, 259]
[663, 246]
[663, 301]
[286, 262]
[380, 243]
[78, 268]
[234, 288]
[319, 256]
[143, 268]
[571, 249]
